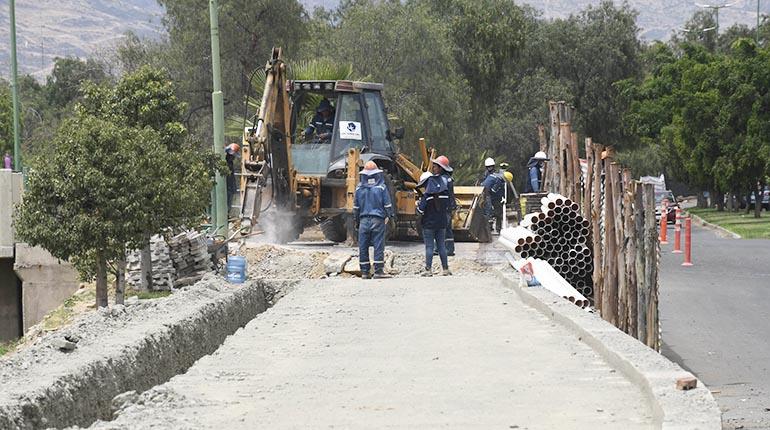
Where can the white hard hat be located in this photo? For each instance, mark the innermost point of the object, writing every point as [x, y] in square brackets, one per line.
[424, 177]
[540, 155]
[489, 162]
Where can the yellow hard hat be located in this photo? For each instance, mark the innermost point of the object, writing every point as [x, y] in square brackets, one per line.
[508, 176]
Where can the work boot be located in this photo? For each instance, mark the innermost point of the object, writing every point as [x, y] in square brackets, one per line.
[366, 275]
[381, 275]
[446, 272]
[426, 273]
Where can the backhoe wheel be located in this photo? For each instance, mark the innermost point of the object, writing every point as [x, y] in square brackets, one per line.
[334, 228]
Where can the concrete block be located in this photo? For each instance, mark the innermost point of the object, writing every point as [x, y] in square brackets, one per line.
[46, 281]
[10, 195]
[335, 262]
[63, 344]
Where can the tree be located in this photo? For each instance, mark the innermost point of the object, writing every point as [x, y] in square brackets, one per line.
[68, 74]
[87, 198]
[120, 170]
[700, 29]
[487, 37]
[248, 30]
[6, 119]
[405, 47]
[589, 52]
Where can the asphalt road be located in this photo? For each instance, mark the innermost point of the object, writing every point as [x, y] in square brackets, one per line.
[441, 352]
[715, 318]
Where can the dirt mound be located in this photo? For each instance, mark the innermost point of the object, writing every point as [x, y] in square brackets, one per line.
[280, 262]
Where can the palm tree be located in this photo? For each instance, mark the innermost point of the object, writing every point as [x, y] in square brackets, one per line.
[320, 69]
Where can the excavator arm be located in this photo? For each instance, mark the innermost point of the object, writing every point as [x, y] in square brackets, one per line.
[266, 164]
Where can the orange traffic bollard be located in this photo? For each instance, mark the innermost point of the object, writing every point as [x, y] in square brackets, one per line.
[678, 232]
[687, 242]
[663, 223]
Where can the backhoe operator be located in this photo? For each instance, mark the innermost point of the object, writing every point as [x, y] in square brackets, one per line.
[322, 123]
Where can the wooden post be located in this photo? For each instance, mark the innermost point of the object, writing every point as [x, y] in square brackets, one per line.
[552, 179]
[651, 250]
[596, 219]
[620, 267]
[629, 246]
[587, 192]
[565, 163]
[577, 174]
[541, 137]
[640, 229]
[610, 289]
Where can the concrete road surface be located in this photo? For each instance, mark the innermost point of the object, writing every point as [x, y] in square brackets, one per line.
[444, 352]
[716, 321]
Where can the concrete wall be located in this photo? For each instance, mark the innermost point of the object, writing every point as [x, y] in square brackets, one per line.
[46, 282]
[10, 302]
[10, 194]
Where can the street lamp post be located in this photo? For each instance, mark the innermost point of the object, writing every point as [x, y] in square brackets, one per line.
[219, 207]
[15, 91]
[716, 10]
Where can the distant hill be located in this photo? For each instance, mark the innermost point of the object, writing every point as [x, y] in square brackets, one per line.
[58, 28]
[46, 29]
[657, 18]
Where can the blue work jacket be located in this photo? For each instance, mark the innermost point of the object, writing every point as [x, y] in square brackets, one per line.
[372, 198]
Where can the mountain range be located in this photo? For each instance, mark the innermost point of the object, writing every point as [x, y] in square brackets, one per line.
[47, 29]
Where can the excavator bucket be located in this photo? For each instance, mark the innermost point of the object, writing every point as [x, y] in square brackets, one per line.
[469, 223]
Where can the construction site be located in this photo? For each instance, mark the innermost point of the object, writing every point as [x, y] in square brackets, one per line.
[549, 322]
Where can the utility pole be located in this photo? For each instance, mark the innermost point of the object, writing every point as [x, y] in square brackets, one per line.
[757, 32]
[716, 11]
[15, 92]
[219, 207]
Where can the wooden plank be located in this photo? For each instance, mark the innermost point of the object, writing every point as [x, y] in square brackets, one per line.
[565, 169]
[629, 248]
[610, 288]
[588, 186]
[651, 249]
[577, 188]
[552, 173]
[541, 138]
[596, 213]
[639, 231]
[620, 263]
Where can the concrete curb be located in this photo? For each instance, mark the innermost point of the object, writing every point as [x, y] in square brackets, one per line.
[85, 391]
[653, 373]
[719, 229]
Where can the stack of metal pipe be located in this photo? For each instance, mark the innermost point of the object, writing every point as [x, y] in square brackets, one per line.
[560, 235]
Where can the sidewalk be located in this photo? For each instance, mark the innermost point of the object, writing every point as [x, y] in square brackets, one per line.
[401, 353]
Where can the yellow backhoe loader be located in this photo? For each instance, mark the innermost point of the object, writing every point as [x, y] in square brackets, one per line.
[300, 180]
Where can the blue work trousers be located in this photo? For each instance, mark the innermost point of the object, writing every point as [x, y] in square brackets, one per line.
[435, 238]
[450, 236]
[371, 232]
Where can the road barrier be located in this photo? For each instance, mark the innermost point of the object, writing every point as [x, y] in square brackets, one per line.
[687, 242]
[663, 223]
[678, 232]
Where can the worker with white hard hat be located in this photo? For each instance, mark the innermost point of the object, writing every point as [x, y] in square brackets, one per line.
[372, 208]
[535, 167]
